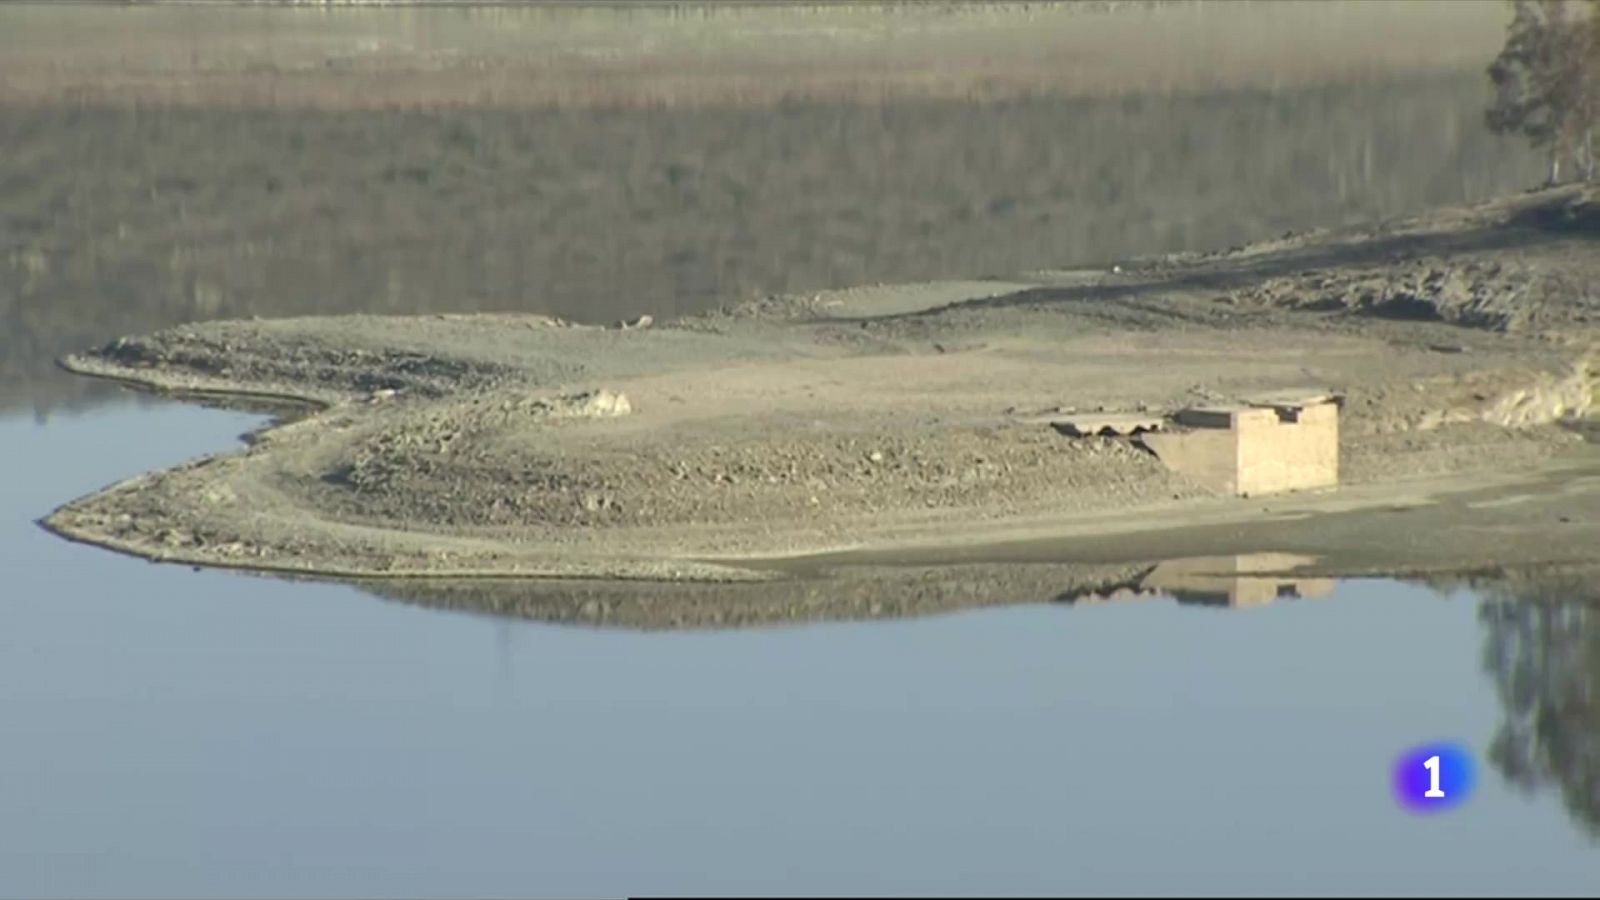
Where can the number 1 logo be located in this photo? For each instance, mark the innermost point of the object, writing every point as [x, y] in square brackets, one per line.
[1432, 765]
[1433, 777]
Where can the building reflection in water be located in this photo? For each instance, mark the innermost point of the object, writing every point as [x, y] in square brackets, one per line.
[1251, 579]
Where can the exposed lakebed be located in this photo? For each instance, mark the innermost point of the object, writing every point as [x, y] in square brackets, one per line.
[899, 418]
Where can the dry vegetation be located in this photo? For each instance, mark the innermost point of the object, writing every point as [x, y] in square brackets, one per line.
[208, 177]
[118, 220]
[683, 55]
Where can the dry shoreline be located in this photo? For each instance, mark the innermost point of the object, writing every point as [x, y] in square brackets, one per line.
[900, 422]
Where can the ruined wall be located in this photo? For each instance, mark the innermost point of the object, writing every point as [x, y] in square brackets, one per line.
[1254, 450]
[1208, 455]
[1288, 451]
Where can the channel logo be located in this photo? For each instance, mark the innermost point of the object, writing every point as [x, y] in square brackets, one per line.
[1434, 777]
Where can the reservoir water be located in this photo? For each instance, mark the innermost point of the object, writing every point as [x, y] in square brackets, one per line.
[169, 732]
[180, 733]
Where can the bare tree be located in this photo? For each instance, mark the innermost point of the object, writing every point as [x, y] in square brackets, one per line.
[1547, 81]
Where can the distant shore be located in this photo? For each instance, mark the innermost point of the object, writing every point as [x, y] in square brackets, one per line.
[408, 56]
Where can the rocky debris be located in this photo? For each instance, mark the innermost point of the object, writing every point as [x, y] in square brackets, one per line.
[1546, 399]
[770, 307]
[598, 404]
[1499, 296]
[206, 355]
[684, 479]
[1517, 398]
[428, 446]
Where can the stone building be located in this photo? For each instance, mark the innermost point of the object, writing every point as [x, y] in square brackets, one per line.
[1257, 448]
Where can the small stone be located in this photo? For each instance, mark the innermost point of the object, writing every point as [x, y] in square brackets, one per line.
[595, 502]
[592, 404]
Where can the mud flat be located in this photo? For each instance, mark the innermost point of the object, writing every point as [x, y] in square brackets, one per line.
[904, 423]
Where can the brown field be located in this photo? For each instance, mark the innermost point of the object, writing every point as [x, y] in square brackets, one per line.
[634, 55]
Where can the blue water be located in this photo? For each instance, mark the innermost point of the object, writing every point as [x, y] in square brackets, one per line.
[178, 733]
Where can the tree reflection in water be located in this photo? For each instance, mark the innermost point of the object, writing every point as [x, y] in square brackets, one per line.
[1542, 647]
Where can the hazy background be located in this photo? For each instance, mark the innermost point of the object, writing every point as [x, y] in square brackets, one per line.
[165, 164]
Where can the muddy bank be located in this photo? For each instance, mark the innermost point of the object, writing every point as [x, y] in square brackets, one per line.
[1374, 541]
[882, 420]
[1220, 567]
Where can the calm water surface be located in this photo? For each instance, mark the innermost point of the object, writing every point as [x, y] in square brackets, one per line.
[176, 733]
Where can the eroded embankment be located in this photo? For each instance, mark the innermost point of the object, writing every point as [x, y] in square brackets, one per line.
[892, 417]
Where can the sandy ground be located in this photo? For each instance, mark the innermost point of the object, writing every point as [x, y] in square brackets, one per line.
[857, 429]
